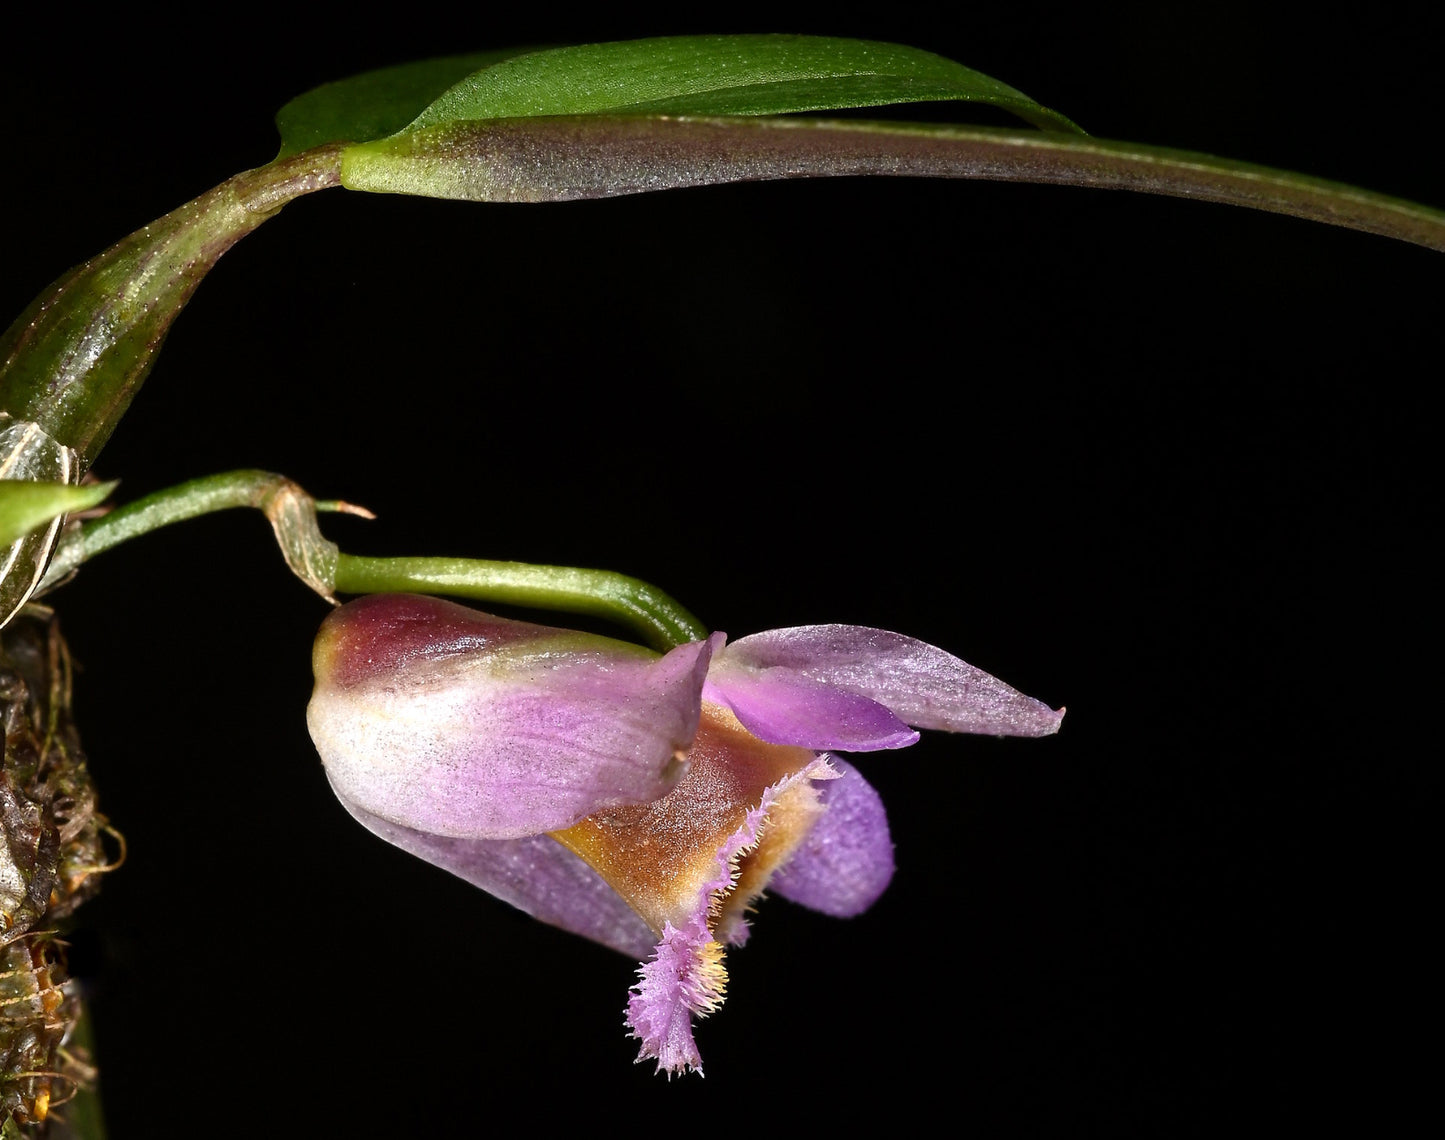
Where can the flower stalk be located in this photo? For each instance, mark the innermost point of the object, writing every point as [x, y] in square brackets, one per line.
[290, 510]
[659, 619]
[72, 362]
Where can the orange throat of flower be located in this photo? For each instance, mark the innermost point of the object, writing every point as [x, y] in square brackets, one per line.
[712, 843]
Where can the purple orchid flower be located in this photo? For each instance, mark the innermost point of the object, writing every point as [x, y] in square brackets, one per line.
[642, 801]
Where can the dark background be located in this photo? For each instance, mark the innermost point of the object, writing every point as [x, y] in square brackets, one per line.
[1160, 461]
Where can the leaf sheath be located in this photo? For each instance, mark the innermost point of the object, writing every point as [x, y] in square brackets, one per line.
[599, 156]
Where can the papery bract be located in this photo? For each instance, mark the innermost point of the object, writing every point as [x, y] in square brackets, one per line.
[642, 801]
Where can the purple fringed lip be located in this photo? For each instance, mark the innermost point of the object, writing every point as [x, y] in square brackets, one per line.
[693, 863]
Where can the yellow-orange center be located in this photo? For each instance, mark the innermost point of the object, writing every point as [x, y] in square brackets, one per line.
[660, 856]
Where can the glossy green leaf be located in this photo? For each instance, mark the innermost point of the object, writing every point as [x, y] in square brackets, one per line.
[376, 103]
[25, 506]
[722, 75]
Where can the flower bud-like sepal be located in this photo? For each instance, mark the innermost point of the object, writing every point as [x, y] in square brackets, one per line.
[455, 723]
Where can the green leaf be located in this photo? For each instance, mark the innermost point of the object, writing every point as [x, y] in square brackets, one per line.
[376, 103]
[722, 75]
[564, 158]
[25, 506]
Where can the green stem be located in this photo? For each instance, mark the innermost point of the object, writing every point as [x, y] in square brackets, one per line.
[661, 621]
[629, 601]
[291, 511]
[73, 361]
[172, 505]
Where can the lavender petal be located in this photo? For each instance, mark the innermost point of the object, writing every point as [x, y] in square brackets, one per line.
[781, 707]
[536, 874]
[923, 685]
[846, 861]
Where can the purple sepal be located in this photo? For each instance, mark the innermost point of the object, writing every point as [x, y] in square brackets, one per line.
[456, 723]
[785, 708]
[536, 874]
[921, 684]
[846, 861]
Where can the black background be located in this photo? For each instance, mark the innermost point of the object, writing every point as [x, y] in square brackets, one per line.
[1160, 461]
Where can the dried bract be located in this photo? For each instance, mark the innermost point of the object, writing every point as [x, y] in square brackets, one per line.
[51, 856]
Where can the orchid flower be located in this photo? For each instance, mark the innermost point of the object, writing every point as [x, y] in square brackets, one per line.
[641, 800]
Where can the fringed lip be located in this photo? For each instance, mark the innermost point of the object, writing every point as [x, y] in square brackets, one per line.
[693, 863]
